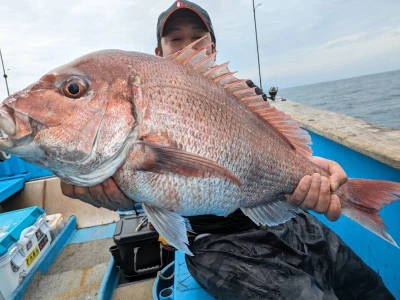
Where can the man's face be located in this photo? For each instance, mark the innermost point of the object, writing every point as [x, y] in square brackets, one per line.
[180, 31]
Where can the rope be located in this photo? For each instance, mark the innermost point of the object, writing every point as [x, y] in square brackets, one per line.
[159, 274]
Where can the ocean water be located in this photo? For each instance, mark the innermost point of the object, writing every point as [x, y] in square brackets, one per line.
[373, 98]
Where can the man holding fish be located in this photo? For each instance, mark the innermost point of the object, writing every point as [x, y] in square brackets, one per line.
[180, 25]
[313, 192]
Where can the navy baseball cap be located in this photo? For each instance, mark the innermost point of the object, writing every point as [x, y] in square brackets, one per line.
[181, 4]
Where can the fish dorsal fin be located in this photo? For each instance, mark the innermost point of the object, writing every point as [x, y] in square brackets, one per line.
[289, 130]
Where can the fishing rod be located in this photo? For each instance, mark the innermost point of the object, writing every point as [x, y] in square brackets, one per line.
[258, 55]
[4, 73]
[4, 155]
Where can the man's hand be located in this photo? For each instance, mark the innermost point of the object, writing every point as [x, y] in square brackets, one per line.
[314, 192]
[107, 194]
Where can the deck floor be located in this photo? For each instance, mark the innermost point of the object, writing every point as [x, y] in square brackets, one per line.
[136, 291]
[76, 273]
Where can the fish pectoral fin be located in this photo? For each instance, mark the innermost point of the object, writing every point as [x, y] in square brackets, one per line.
[171, 226]
[169, 159]
[273, 213]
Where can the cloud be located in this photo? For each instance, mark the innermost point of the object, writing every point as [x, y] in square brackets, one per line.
[340, 56]
[299, 41]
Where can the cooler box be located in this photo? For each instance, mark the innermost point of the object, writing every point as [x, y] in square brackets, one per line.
[138, 251]
[24, 237]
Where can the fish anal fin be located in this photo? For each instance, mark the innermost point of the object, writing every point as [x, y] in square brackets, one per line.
[272, 213]
[171, 226]
[155, 158]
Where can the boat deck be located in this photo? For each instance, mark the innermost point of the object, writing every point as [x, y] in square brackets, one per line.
[77, 273]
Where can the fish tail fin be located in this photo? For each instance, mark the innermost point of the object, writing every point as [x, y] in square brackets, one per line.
[363, 201]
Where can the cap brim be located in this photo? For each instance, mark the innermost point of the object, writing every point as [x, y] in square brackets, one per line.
[179, 8]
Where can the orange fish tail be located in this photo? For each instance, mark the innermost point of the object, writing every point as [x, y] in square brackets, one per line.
[363, 199]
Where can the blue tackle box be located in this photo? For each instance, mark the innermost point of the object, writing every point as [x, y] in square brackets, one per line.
[14, 172]
[24, 237]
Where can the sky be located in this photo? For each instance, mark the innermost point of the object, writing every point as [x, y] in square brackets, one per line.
[300, 42]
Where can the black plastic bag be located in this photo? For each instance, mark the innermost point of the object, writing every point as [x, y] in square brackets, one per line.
[301, 259]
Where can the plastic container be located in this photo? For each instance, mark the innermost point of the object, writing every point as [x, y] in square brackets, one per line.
[167, 294]
[24, 238]
[175, 282]
[56, 224]
[138, 251]
[164, 281]
[13, 174]
[16, 167]
[185, 287]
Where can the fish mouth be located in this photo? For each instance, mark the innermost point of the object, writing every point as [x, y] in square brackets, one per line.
[7, 123]
[16, 129]
[7, 128]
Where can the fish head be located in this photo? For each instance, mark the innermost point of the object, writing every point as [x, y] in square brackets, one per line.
[75, 121]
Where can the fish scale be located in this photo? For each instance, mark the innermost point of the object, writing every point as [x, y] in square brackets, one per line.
[179, 135]
[202, 114]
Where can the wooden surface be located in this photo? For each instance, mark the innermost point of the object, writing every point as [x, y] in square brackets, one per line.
[138, 291]
[47, 194]
[380, 143]
[76, 273]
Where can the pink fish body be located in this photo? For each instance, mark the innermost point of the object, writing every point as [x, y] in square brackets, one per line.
[180, 135]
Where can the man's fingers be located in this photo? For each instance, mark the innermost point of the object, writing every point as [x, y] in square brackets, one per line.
[315, 192]
[67, 189]
[82, 193]
[335, 209]
[301, 190]
[98, 196]
[311, 199]
[322, 162]
[112, 190]
[116, 196]
[324, 197]
[106, 194]
[338, 175]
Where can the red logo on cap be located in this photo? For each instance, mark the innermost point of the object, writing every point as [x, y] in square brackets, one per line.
[179, 3]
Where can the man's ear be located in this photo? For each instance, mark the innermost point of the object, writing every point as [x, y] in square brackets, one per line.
[157, 51]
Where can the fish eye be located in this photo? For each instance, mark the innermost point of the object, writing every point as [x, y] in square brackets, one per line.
[74, 88]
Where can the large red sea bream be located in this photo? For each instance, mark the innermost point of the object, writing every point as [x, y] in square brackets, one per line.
[180, 135]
